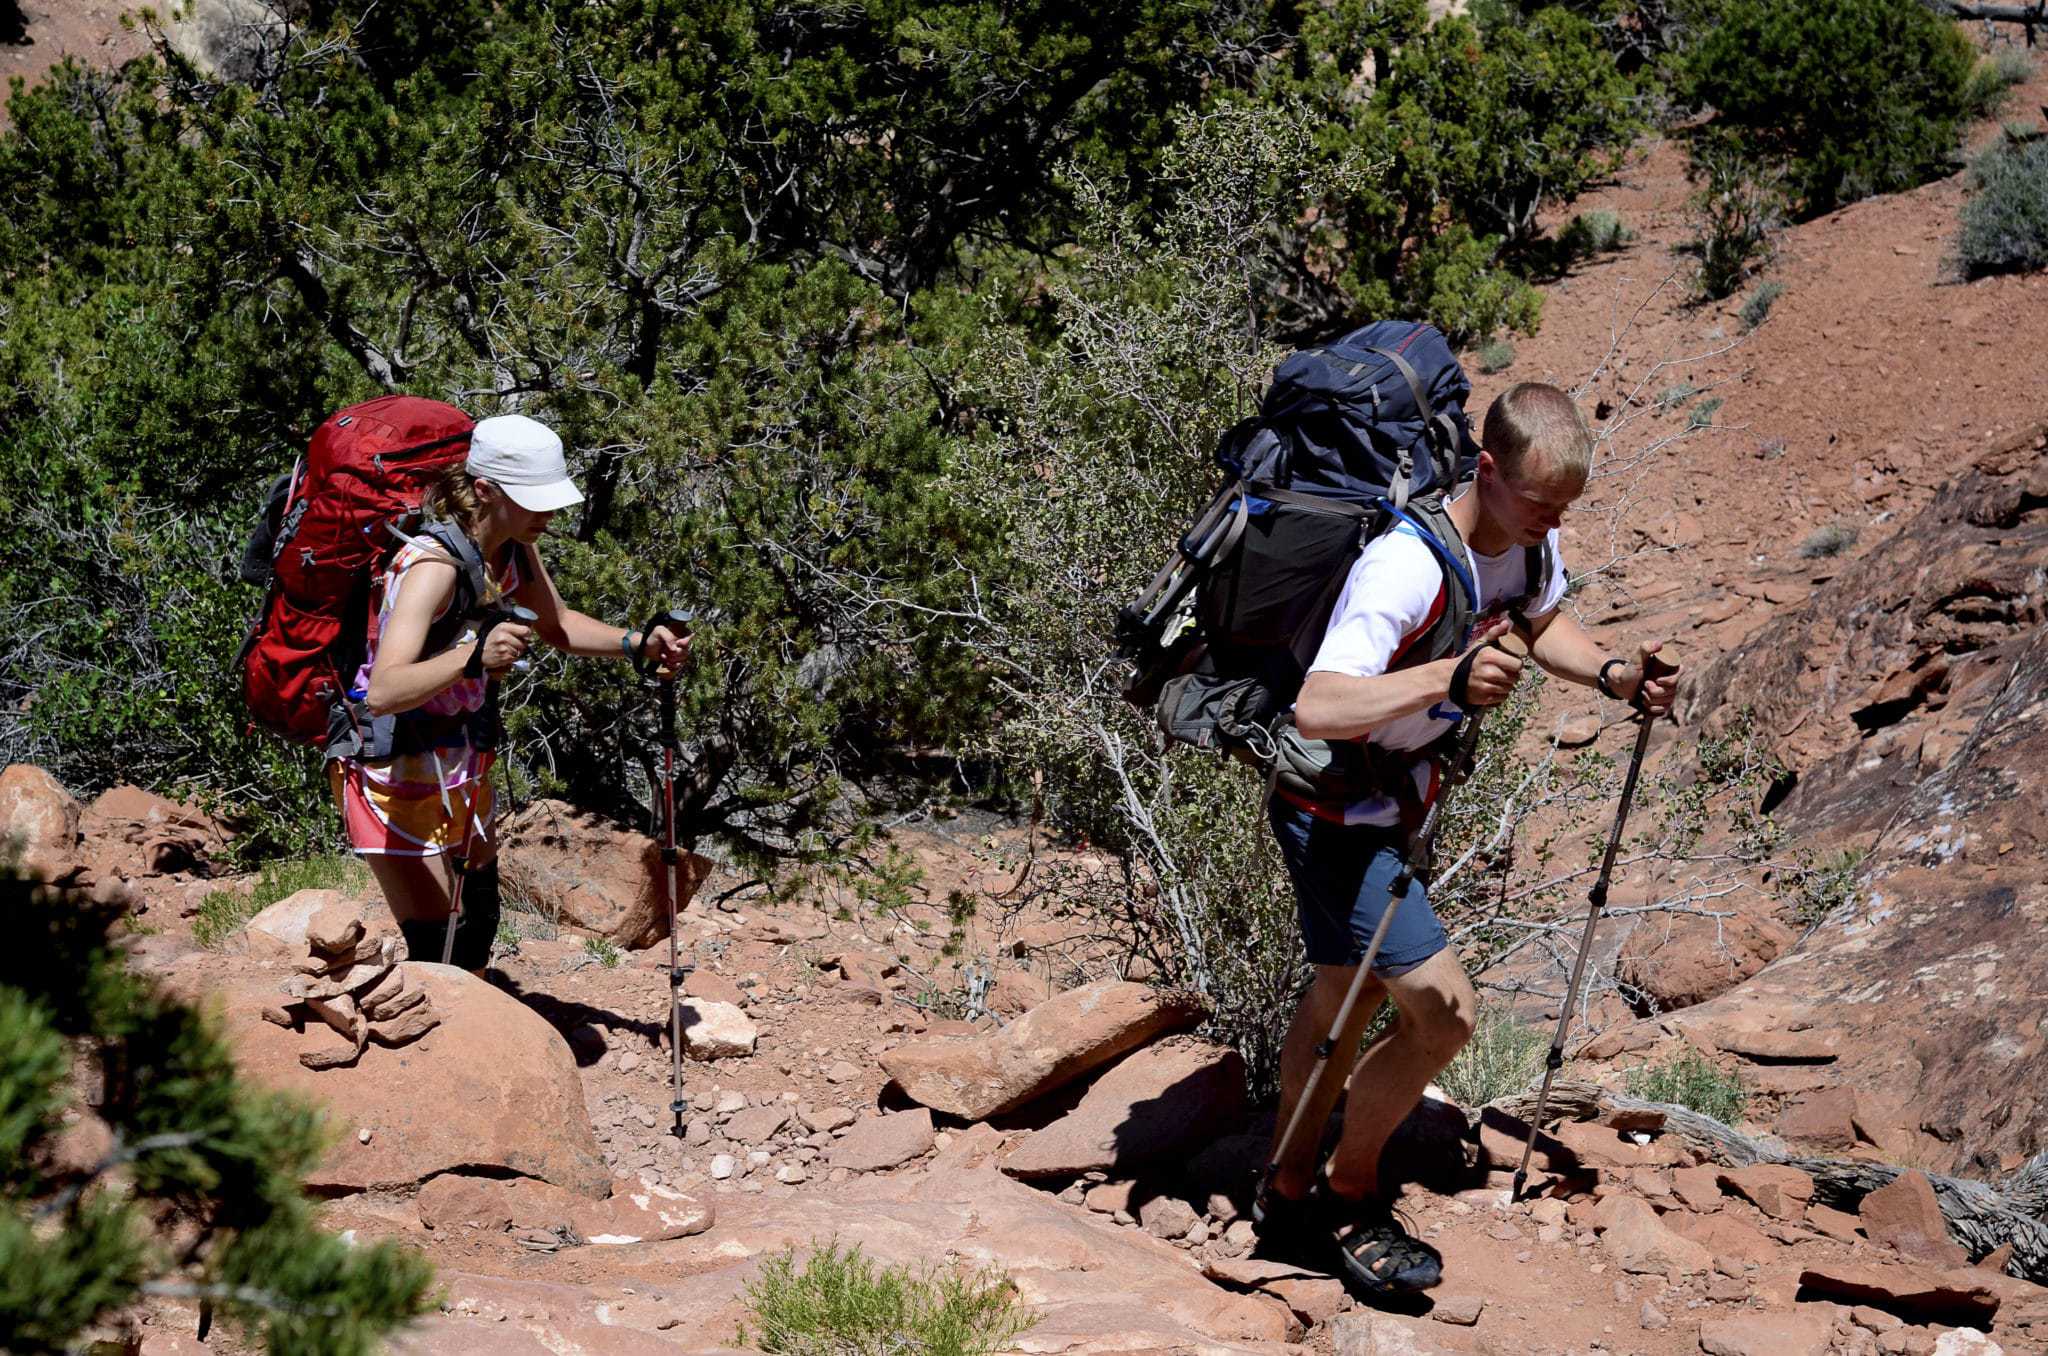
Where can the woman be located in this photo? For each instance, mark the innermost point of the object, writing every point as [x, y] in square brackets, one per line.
[410, 764]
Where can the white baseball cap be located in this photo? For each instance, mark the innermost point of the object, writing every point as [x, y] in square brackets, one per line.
[522, 457]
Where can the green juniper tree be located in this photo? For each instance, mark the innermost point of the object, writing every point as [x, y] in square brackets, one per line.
[192, 1190]
[751, 259]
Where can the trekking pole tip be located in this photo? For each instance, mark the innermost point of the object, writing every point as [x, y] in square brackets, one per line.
[1515, 1188]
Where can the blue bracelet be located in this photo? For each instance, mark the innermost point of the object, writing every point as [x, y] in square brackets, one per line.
[626, 645]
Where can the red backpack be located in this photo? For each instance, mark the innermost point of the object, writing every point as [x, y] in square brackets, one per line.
[321, 540]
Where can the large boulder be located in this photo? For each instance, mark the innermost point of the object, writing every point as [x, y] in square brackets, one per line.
[494, 1088]
[1163, 1102]
[587, 874]
[1928, 976]
[41, 817]
[1071, 1034]
[132, 832]
[278, 933]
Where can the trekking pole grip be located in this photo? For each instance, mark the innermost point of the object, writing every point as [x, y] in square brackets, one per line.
[1653, 667]
[676, 619]
[489, 618]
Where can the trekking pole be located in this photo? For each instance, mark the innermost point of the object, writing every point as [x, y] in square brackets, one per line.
[1653, 667]
[671, 867]
[488, 616]
[1418, 861]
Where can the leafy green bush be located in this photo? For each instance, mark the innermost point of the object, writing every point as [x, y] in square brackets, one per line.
[1829, 539]
[1594, 233]
[1504, 1055]
[2004, 226]
[601, 951]
[1738, 204]
[841, 1304]
[198, 1194]
[1848, 97]
[223, 912]
[1823, 883]
[1993, 77]
[1759, 302]
[1692, 1080]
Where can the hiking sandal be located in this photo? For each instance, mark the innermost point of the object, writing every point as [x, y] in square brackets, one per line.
[1385, 1258]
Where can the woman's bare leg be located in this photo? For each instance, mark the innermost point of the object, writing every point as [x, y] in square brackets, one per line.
[418, 889]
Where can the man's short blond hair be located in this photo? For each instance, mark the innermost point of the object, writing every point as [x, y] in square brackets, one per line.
[1533, 420]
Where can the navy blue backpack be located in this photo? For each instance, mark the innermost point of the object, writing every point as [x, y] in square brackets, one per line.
[1350, 439]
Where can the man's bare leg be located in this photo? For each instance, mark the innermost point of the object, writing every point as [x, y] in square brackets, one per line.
[1312, 1019]
[1437, 1008]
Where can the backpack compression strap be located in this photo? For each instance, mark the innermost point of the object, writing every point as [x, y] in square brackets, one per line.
[1439, 434]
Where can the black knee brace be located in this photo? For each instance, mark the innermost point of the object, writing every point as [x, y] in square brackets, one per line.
[478, 926]
[423, 938]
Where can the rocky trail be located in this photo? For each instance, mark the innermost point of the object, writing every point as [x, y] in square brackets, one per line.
[1886, 1192]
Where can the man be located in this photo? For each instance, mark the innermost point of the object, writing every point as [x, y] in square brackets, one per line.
[1342, 858]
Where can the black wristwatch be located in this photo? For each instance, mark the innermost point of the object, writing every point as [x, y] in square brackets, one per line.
[1601, 682]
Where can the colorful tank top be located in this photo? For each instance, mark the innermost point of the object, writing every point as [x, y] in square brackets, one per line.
[445, 760]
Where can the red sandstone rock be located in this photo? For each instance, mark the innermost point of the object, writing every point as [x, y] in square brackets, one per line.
[42, 816]
[494, 1086]
[1640, 1243]
[884, 1141]
[1699, 1189]
[1769, 1334]
[1930, 1295]
[1778, 1191]
[1682, 961]
[1824, 1121]
[1164, 1100]
[592, 875]
[1056, 1042]
[1906, 1216]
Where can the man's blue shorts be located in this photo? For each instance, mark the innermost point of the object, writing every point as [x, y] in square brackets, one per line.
[1342, 874]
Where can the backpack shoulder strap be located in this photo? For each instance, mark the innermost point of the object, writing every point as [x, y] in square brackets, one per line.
[471, 581]
[1447, 636]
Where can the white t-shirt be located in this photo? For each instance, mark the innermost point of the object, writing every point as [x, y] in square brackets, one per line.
[1395, 593]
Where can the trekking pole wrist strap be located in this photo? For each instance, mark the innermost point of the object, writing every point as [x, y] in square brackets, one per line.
[1601, 681]
[1461, 676]
[475, 667]
[629, 646]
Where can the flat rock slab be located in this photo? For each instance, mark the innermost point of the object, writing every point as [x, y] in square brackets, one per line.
[1092, 1289]
[1313, 1296]
[1068, 1035]
[1963, 1296]
[1779, 1191]
[1767, 1335]
[1777, 1047]
[493, 1087]
[1162, 1101]
[1641, 1244]
[885, 1141]
[635, 1213]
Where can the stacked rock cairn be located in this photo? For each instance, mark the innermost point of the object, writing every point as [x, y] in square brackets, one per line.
[354, 983]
